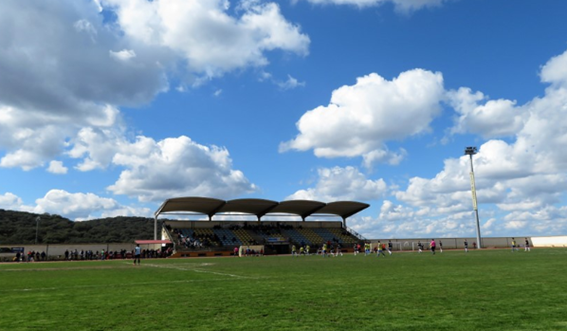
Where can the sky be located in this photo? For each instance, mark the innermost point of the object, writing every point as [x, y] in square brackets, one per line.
[110, 107]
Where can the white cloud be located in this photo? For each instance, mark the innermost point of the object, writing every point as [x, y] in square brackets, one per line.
[75, 206]
[398, 221]
[495, 118]
[202, 32]
[383, 156]
[123, 55]
[84, 206]
[57, 78]
[342, 184]
[290, 83]
[69, 72]
[10, 201]
[155, 171]
[96, 147]
[362, 117]
[177, 167]
[57, 167]
[520, 181]
[555, 70]
[400, 5]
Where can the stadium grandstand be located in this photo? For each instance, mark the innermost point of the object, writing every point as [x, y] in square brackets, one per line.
[200, 226]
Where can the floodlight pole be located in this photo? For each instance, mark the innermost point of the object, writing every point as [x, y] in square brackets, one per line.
[470, 151]
[36, 228]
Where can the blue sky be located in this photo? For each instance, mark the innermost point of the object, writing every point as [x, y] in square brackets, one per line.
[109, 107]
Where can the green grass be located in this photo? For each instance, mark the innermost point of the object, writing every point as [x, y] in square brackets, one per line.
[481, 290]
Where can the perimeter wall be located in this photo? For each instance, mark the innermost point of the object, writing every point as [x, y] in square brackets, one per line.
[487, 242]
[58, 250]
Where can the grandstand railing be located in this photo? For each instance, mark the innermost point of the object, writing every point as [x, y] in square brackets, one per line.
[356, 234]
[165, 230]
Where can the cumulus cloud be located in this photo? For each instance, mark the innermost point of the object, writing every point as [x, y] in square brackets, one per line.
[401, 221]
[84, 206]
[10, 201]
[157, 170]
[57, 77]
[342, 184]
[361, 118]
[524, 178]
[57, 167]
[71, 71]
[519, 181]
[555, 70]
[202, 32]
[493, 119]
[177, 167]
[383, 156]
[96, 147]
[75, 206]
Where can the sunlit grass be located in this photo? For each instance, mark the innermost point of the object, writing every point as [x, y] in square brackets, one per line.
[479, 290]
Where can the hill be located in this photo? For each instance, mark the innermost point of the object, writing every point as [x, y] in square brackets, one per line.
[18, 227]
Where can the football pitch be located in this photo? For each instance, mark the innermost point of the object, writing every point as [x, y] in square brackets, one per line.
[453, 290]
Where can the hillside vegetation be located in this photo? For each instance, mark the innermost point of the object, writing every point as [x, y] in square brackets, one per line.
[20, 228]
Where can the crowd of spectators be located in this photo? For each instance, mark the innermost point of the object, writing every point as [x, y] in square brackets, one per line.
[30, 256]
[196, 241]
[83, 255]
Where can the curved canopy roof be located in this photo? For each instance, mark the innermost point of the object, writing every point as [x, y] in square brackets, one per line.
[260, 207]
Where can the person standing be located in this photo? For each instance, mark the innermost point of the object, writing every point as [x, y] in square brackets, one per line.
[432, 246]
[419, 247]
[513, 245]
[527, 246]
[466, 246]
[440, 246]
[390, 247]
[137, 253]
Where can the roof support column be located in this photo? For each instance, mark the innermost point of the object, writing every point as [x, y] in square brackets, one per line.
[155, 226]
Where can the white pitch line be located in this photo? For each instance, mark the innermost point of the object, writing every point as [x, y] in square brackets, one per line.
[198, 270]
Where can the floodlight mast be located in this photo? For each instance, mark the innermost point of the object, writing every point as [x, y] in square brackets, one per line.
[470, 151]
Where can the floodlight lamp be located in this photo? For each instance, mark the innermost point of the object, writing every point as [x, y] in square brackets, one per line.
[470, 150]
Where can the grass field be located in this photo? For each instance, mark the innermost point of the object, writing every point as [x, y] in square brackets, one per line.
[479, 290]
